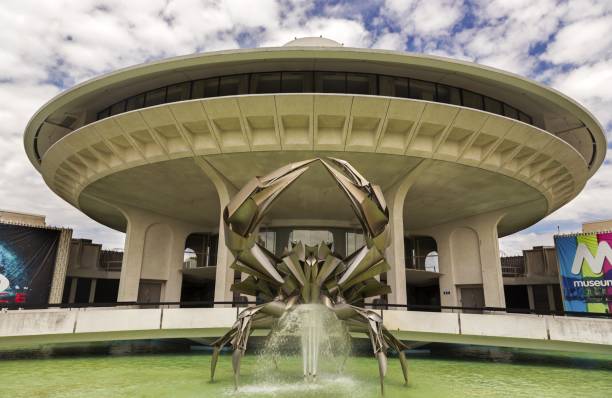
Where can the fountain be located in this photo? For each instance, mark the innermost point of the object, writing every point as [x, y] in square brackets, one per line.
[308, 284]
[314, 332]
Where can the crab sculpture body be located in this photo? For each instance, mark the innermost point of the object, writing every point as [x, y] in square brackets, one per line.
[308, 274]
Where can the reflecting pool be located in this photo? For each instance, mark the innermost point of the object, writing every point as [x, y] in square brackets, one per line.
[518, 374]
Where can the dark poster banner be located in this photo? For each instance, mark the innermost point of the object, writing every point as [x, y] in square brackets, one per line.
[27, 259]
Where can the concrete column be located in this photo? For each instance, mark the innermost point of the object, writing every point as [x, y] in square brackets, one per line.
[448, 292]
[492, 279]
[395, 196]
[551, 298]
[339, 241]
[92, 290]
[154, 248]
[530, 297]
[73, 288]
[61, 266]
[224, 275]
[282, 239]
[133, 251]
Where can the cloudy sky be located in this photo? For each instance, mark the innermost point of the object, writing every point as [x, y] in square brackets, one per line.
[48, 46]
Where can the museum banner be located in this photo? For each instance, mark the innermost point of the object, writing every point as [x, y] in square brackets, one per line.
[585, 269]
[27, 260]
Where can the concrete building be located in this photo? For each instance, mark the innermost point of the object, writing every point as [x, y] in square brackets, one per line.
[464, 153]
[531, 281]
[93, 274]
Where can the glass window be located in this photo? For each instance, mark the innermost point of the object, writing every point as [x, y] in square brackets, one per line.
[205, 88]
[233, 85]
[448, 95]
[262, 83]
[431, 262]
[155, 97]
[422, 90]
[386, 86]
[493, 106]
[104, 114]
[360, 83]
[310, 237]
[268, 240]
[524, 118]
[401, 88]
[472, 100]
[510, 111]
[354, 241]
[330, 82]
[178, 92]
[136, 102]
[118, 108]
[297, 82]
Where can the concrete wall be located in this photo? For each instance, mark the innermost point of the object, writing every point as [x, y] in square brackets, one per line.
[22, 218]
[597, 226]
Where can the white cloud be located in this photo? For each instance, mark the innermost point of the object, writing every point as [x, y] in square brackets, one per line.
[424, 17]
[581, 42]
[390, 41]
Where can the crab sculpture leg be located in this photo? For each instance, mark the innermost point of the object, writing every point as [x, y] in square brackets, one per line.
[308, 274]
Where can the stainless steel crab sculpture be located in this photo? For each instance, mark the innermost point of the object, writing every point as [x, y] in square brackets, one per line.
[308, 274]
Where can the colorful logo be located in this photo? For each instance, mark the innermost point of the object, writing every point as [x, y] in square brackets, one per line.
[585, 267]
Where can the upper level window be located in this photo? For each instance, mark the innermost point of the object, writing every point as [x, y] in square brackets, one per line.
[360, 83]
[205, 88]
[135, 102]
[296, 82]
[448, 95]
[320, 82]
[493, 106]
[233, 85]
[472, 100]
[330, 82]
[422, 90]
[178, 92]
[155, 97]
[262, 83]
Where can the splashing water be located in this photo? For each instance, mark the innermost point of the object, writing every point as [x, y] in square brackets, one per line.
[315, 333]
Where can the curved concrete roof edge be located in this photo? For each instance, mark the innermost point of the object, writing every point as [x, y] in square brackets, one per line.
[347, 53]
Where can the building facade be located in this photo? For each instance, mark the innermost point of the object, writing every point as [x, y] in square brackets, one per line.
[464, 153]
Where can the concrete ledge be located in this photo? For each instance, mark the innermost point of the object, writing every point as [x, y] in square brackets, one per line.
[198, 318]
[415, 321]
[117, 320]
[504, 325]
[580, 330]
[36, 327]
[36, 322]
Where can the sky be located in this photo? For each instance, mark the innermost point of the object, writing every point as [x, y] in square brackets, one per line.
[48, 46]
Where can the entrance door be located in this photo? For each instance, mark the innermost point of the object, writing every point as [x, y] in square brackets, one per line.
[472, 297]
[149, 291]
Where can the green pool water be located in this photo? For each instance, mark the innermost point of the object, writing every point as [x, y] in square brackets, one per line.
[187, 375]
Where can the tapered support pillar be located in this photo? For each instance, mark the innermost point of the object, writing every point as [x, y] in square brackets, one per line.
[224, 275]
[153, 253]
[469, 261]
[395, 196]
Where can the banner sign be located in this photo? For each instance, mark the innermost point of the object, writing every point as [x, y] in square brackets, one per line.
[27, 260]
[585, 268]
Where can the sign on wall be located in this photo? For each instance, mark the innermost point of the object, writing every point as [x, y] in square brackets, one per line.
[585, 268]
[27, 260]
